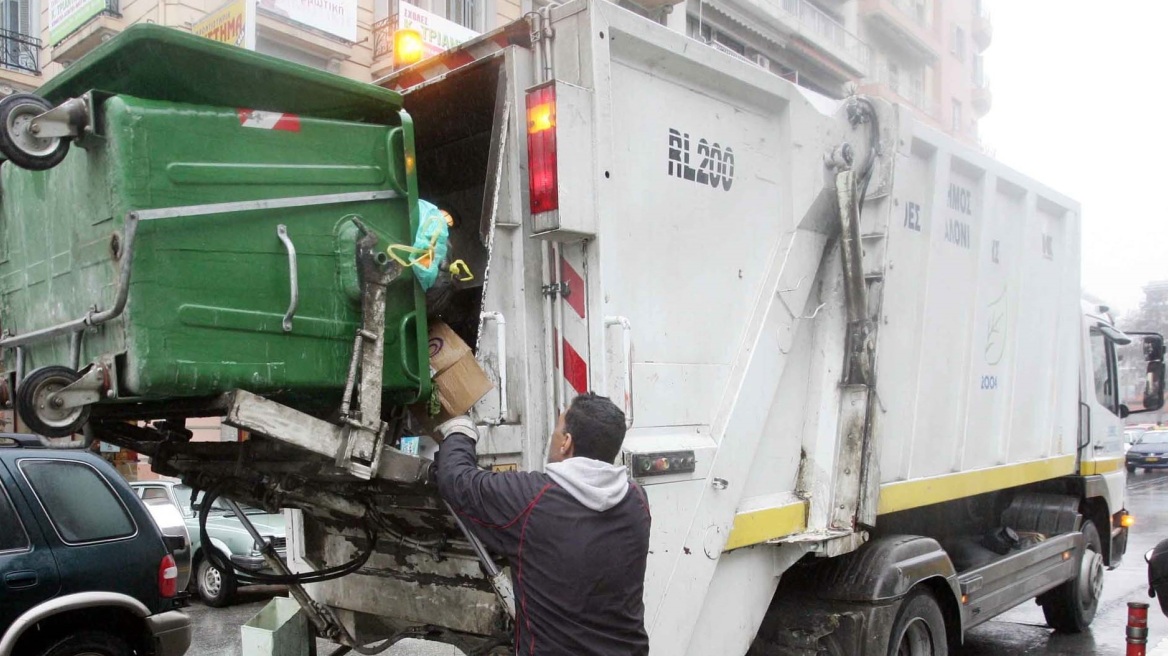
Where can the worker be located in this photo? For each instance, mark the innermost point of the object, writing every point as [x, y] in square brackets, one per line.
[576, 535]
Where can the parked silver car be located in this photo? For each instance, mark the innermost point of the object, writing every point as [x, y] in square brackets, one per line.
[215, 586]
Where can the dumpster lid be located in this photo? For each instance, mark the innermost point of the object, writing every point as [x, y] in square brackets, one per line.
[153, 62]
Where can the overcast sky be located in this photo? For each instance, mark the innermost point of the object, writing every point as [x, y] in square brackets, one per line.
[1079, 103]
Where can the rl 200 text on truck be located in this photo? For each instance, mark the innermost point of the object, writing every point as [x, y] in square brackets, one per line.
[866, 403]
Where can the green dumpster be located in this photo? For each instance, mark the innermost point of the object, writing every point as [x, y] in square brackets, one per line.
[244, 184]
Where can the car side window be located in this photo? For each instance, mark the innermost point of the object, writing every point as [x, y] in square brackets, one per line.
[78, 500]
[12, 535]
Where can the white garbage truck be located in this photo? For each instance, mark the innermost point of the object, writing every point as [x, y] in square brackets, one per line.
[865, 400]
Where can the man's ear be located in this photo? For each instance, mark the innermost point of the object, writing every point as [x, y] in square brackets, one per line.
[569, 446]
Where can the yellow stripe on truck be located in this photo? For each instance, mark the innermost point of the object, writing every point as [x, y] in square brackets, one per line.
[757, 526]
[1105, 466]
[927, 491]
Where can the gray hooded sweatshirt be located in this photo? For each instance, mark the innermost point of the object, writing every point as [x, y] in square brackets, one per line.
[598, 485]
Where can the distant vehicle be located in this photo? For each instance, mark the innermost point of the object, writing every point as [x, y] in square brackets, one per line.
[173, 524]
[1150, 452]
[214, 586]
[1131, 436]
[84, 571]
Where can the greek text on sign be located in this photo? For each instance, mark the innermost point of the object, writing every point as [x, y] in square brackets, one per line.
[232, 23]
[438, 34]
[65, 16]
[335, 17]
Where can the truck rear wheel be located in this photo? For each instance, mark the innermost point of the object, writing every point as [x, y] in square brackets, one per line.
[1070, 608]
[919, 629]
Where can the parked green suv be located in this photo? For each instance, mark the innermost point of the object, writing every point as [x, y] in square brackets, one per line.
[217, 587]
[84, 570]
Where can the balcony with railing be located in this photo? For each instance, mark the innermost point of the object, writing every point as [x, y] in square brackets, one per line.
[382, 37]
[983, 29]
[20, 52]
[981, 98]
[103, 23]
[818, 28]
[905, 22]
[901, 88]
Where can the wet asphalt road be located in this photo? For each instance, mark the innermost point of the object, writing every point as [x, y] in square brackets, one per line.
[1020, 632]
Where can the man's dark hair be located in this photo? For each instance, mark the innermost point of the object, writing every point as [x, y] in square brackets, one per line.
[596, 425]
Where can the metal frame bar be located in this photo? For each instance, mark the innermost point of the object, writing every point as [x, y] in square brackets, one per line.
[96, 318]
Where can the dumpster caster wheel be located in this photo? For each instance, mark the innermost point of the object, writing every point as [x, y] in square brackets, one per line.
[18, 144]
[40, 414]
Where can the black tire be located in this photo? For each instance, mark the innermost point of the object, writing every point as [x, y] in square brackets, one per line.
[215, 596]
[90, 643]
[33, 406]
[18, 144]
[1131, 469]
[919, 629]
[1071, 607]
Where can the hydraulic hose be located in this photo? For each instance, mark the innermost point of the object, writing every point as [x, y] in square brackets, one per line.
[223, 563]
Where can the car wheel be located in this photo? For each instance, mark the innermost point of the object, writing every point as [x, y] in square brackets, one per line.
[919, 629]
[216, 587]
[1070, 608]
[1131, 469]
[90, 643]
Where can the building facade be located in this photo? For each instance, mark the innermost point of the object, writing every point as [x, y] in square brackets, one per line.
[922, 54]
[38, 38]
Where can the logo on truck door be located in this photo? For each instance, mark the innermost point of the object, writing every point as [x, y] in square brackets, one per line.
[715, 163]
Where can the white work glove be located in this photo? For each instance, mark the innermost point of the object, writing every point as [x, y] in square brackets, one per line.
[462, 425]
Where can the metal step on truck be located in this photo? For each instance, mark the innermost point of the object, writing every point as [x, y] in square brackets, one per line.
[865, 399]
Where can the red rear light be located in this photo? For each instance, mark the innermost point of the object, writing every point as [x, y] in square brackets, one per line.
[541, 149]
[168, 577]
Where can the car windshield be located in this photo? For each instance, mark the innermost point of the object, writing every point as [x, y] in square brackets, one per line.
[1155, 437]
[183, 494]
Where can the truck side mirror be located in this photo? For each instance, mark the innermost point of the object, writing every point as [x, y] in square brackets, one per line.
[1154, 387]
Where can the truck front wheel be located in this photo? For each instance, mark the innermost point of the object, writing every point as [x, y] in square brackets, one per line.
[1071, 606]
[919, 629]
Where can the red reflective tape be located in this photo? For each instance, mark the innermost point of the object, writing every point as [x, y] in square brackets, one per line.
[575, 369]
[409, 79]
[288, 122]
[575, 296]
[455, 58]
[255, 118]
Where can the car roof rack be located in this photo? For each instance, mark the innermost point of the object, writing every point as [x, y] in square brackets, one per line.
[23, 440]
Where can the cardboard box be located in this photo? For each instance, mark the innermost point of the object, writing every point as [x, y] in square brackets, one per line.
[460, 380]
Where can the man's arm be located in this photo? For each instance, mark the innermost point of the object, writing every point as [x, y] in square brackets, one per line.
[494, 504]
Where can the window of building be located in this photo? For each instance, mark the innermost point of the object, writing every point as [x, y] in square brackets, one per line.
[959, 42]
[957, 123]
[79, 502]
[466, 13]
[894, 76]
[12, 535]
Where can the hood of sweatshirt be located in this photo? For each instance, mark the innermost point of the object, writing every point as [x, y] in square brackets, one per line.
[598, 485]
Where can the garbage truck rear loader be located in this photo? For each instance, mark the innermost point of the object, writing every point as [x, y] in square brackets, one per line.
[865, 400]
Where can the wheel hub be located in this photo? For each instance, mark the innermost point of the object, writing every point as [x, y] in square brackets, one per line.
[212, 581]
[52, 410]
[1090, 577]
[20, 128]
[916, 640]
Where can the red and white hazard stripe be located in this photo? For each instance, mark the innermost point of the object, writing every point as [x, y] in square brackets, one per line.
[515, 34]
[255, 118]
[574, 321]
